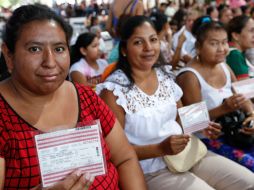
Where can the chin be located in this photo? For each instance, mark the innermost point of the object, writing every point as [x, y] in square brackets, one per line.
[48, 88]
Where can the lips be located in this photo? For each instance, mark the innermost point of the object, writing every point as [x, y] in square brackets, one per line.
[49, 77]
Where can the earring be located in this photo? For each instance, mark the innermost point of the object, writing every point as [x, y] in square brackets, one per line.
[124, 55]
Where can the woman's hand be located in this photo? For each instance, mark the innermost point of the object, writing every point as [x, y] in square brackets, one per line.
[248, 125]
[213, 131]
[234, 102]
[74, 181]
[174, 144]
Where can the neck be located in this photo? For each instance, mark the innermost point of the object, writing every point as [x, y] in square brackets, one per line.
[27, 97]
[206, 64]
[92, 63]
[139, 76]
[237, 45]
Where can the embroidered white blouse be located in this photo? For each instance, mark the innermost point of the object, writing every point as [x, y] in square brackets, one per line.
[149, 119]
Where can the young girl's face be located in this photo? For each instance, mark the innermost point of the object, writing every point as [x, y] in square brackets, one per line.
[92, 51]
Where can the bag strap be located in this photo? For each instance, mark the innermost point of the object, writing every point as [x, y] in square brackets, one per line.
[125, 9]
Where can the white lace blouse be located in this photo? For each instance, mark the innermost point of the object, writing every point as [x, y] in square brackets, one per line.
[149, 119]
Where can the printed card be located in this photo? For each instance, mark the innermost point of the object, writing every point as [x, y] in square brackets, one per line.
[194, 117]
[61, 152]
[245, 87]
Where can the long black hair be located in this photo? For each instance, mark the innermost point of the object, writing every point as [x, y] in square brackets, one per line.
[127, 30]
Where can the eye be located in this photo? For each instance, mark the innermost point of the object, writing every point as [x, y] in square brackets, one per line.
[154, 39]
[60, 49]
[137, 42]
[34, 49]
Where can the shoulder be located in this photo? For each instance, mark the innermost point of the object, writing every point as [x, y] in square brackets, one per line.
[187, 77]
[78, 65]
[117, 80]
[234, 54]
[118, 76]
[102, 62]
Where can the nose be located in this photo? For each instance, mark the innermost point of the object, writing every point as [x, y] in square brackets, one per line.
[49, 58]
[147, 46]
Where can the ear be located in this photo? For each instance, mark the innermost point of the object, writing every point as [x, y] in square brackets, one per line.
[8, 56]
[235, 36]
[123, 51]
[197, 46]
[83, 51]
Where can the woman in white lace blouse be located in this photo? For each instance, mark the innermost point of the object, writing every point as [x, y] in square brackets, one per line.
[145, 98]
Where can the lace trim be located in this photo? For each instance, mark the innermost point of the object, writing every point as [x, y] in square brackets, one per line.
[133, 99]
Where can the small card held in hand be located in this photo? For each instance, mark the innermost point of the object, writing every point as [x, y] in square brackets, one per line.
[245, 87]
[194, 117]
[61, 152]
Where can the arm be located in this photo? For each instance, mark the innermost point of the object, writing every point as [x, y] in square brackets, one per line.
[2, 171]
[171, 145]
[109, 22]
[78, 77]
[125, 160]
[140, 8]
[177, 54]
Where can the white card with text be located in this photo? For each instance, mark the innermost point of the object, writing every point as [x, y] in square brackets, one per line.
[245, 87]
[61, 152]
[194, 117]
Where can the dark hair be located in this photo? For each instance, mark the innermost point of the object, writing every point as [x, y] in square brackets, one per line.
[198, 23]
[179, 17]
[127, 30]
[201, 33]
[210, 9]
[26, 14]
[236, 25]
[222, 8]
[83, 40]
[159, 20]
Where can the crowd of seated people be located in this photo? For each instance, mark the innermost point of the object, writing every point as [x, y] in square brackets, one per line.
[135, 90]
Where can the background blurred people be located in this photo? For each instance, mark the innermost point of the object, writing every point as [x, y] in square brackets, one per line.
[241, 37]
[87, 66]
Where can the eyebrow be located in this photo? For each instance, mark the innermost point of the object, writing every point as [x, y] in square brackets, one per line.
[136, 36]
[225, 39]
[41, 43]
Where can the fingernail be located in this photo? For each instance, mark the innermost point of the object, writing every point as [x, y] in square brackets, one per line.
[78, 172]
[87, 176]
[91, 178]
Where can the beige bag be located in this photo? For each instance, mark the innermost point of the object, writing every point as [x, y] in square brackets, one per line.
[185, 160]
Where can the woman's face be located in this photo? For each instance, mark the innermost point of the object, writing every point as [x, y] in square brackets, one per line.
[143, 47]
[214, 49]
[40, 62]
[92, 50]
[246, 37]
[226, 16]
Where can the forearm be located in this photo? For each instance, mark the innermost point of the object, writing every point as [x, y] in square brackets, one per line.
[248, 107]
[217, 112]
[148, 151]
[2, 171]
[131, 176]
[176, 57]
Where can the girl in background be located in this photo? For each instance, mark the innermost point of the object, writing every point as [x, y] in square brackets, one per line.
[87, 67]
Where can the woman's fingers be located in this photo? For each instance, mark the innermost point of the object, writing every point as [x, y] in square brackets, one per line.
[84, 182]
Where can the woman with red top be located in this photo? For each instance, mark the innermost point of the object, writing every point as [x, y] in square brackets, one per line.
[37, 99]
